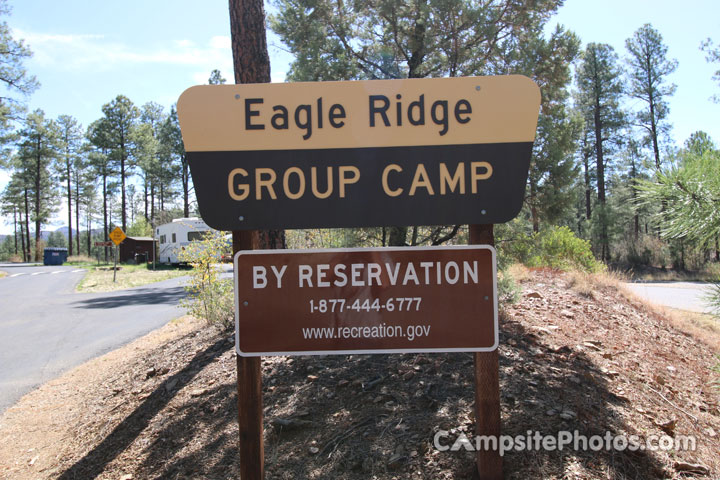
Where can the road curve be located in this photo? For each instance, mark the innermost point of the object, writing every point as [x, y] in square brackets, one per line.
[681, 295]
[46, 328]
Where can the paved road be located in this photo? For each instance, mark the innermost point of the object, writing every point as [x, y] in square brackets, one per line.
[680, 295]
[46, 328]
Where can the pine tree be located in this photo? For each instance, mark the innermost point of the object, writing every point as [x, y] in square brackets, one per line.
[103, 166]
[121, 116]
[172, 151]
[70, 146]
[13, 74]
[649, 69]
[552, 169]
[37, 152]
[600, 90]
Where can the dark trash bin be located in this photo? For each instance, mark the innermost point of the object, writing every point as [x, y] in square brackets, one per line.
[55, 256]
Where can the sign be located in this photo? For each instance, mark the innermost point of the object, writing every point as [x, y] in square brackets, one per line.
[117, 236]
[377, 300]
[364, 153]
[103, 244]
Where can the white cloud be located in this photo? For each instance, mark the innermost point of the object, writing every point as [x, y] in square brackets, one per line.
[73, 52]
[221, 42]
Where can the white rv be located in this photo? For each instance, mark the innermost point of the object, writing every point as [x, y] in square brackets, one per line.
[176, 235]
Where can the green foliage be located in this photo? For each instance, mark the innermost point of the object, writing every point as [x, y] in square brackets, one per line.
[395, 39]
[554, 247]
[646, 250]
[57, 239]
[12, 74]
[141, 228]
[209, 297]
[689, 190]
[216, 78]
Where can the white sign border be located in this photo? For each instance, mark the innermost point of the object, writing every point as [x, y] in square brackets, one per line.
[236, 274]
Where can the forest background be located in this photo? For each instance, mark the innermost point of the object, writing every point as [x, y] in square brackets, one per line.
[606, 167]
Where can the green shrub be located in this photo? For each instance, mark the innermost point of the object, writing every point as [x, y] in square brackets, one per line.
[555, 247]
[210, 297]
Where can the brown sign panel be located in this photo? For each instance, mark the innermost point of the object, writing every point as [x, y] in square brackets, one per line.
[363, 153]
[377, 300]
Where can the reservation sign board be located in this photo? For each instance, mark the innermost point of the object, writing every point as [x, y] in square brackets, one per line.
[362, 153]
[376, 300]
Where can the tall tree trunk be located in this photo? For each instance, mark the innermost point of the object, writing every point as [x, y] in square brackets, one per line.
[26, 256]
[37, 202]
[633, 184]
[251, 64]
[414, 237]
[604, 256]
[15, 222]
[22, 239]
[105, 215]
[69, 199]
[123, 158]
[145, 199]
[89, 229]
[152, 202]
[588, 189]
[533, 208]
[717, 249]
[77, 215]
[653, 131]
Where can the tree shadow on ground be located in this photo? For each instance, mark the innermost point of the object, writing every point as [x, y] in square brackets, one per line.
[353, 417]
[122, 436]
[148, 296]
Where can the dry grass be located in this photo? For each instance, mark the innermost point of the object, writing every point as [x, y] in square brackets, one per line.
[586, 284]
[75, 259]
[101, 280]
[519, 272]
[700, 326]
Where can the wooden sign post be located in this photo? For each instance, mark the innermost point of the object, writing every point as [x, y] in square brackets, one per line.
[249, 391]
[487, 386]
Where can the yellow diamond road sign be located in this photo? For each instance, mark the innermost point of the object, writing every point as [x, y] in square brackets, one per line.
[117, 236]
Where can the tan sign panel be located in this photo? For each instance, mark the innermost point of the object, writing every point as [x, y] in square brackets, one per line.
[371, 113]
[117, 236]
[378, 300]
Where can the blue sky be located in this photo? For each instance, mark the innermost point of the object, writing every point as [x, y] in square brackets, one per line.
[86, 53]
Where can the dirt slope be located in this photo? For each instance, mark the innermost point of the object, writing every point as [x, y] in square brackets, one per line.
[584, 358]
